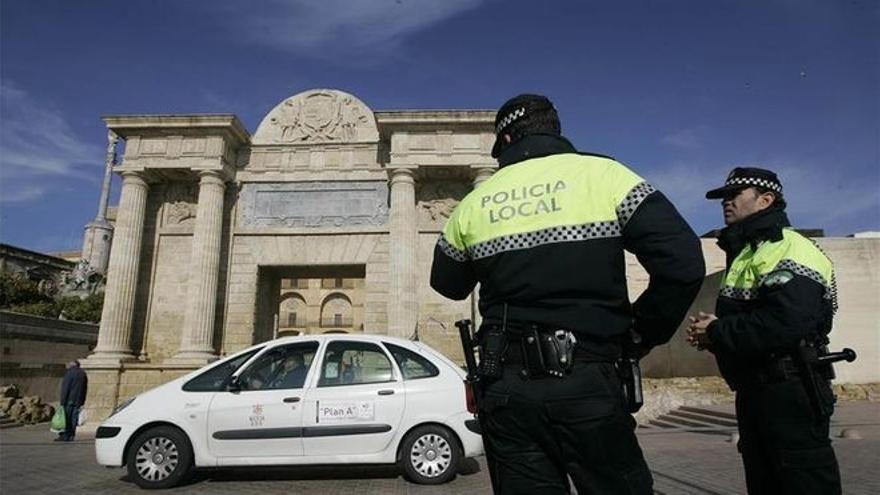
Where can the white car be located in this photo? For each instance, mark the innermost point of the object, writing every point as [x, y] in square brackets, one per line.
[323, 399]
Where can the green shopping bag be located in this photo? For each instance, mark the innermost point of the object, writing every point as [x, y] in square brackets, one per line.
[59, 421]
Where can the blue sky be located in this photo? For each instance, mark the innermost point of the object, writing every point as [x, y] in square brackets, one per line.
[680, 90]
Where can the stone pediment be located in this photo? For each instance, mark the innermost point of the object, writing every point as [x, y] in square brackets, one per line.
[320, 116]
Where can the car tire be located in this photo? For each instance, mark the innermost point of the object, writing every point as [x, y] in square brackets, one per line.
[429, 455]
[159, 457]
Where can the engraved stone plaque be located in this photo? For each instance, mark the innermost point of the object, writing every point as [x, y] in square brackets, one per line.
[313, 204]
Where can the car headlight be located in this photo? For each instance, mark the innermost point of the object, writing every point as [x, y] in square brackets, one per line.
[122, 405]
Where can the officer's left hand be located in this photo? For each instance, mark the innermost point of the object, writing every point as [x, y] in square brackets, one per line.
[697, 336]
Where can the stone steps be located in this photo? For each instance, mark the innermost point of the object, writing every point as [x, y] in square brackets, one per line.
[7, 422]
[694, 419]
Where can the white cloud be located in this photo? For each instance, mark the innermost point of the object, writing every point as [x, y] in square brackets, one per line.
[36, 143]
[22, 193]
[327, 27]
[688, 139]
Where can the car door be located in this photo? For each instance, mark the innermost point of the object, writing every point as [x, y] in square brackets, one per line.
[261, 415]
[357, 402]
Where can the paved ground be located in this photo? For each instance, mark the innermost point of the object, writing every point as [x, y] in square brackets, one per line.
[683, 463]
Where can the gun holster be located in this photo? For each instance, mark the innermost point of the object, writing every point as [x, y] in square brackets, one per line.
[630, 373]
[547, 352]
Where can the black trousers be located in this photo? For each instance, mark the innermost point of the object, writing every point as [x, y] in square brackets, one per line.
[783, 442]
[537, 432]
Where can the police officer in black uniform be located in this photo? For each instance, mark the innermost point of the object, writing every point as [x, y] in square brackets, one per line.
[775, 308]
[545, 239]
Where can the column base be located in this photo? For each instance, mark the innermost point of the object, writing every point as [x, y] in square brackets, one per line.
[193, 358]
[101, 359]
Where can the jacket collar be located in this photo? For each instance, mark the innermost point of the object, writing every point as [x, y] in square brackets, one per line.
[765, 225]
[535, 146]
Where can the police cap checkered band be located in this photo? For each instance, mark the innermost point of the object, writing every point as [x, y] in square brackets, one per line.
[518, 114]
[743, 177]
[520, 107]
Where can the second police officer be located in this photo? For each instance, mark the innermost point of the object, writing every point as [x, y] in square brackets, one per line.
[545, 239]
[776, 306]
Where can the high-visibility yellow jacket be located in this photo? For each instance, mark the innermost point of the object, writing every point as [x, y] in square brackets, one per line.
[777, 291]
[546, 234]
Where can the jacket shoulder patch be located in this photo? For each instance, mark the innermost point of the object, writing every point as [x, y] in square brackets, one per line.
[777, 278]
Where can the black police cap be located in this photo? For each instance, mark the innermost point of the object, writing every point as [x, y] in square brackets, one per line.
[743, 177]
[517, 112]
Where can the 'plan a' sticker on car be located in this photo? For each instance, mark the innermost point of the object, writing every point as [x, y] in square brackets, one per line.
[335, 411]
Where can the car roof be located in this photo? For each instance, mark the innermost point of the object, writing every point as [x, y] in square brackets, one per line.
[338, 336]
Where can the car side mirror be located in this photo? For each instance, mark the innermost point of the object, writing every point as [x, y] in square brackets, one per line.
[234, 385]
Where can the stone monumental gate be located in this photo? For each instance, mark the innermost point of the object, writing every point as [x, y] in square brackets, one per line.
[323, 220]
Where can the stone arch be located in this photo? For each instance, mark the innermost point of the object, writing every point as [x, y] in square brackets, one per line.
[336, 311]
[318, 116]
[292, 310]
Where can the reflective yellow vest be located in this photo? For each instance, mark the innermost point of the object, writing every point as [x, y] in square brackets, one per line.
[775, 263]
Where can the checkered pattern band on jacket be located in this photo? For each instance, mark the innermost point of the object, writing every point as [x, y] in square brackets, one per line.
[450, 250]
[830, 285]
[526, 240]
[627, 208]
[739, 293]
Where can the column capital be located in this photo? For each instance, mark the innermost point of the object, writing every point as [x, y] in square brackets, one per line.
[134, 177]
[482, 171]
[212, 177]
[402, 175]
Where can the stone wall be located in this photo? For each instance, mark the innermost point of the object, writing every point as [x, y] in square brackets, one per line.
[108, 385]
[857, 324]
[35, 351]
[170, 281]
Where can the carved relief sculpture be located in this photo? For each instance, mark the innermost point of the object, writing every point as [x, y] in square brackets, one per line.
[318, 116]
[437, 200]
[180, 203]
[321, 116]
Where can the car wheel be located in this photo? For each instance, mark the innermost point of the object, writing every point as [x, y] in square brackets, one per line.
[160, 457]
[429, 455]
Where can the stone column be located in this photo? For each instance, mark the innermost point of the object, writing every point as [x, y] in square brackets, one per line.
[114, 336]
[481, 173]
[403, 306]
[99, 232]
[197, 339]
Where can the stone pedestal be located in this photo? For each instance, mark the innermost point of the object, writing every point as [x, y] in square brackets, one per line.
[403, 307]
[97, 243]
[114, 336]
[197, 339]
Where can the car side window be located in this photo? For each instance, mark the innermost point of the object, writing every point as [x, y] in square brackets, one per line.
[216, 378]
[412, 365]
[283, 367]
[354, 363]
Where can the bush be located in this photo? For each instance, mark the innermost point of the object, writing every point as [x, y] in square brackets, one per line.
[44, 309]
[87, 310]
[16, 290]
[21, 295]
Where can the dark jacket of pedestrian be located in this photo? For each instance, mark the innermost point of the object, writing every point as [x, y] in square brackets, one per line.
[74, 387]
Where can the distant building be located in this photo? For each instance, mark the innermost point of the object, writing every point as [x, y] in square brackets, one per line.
[325, 220]
[33, 265]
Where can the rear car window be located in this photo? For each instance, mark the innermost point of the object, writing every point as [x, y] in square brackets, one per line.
[354, 363]
[412, 365]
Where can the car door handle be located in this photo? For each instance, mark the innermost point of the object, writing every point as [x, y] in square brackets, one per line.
[291, 399]
[386, 392]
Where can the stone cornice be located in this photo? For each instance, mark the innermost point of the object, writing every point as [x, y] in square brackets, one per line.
[406, 117]
[168, 124]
